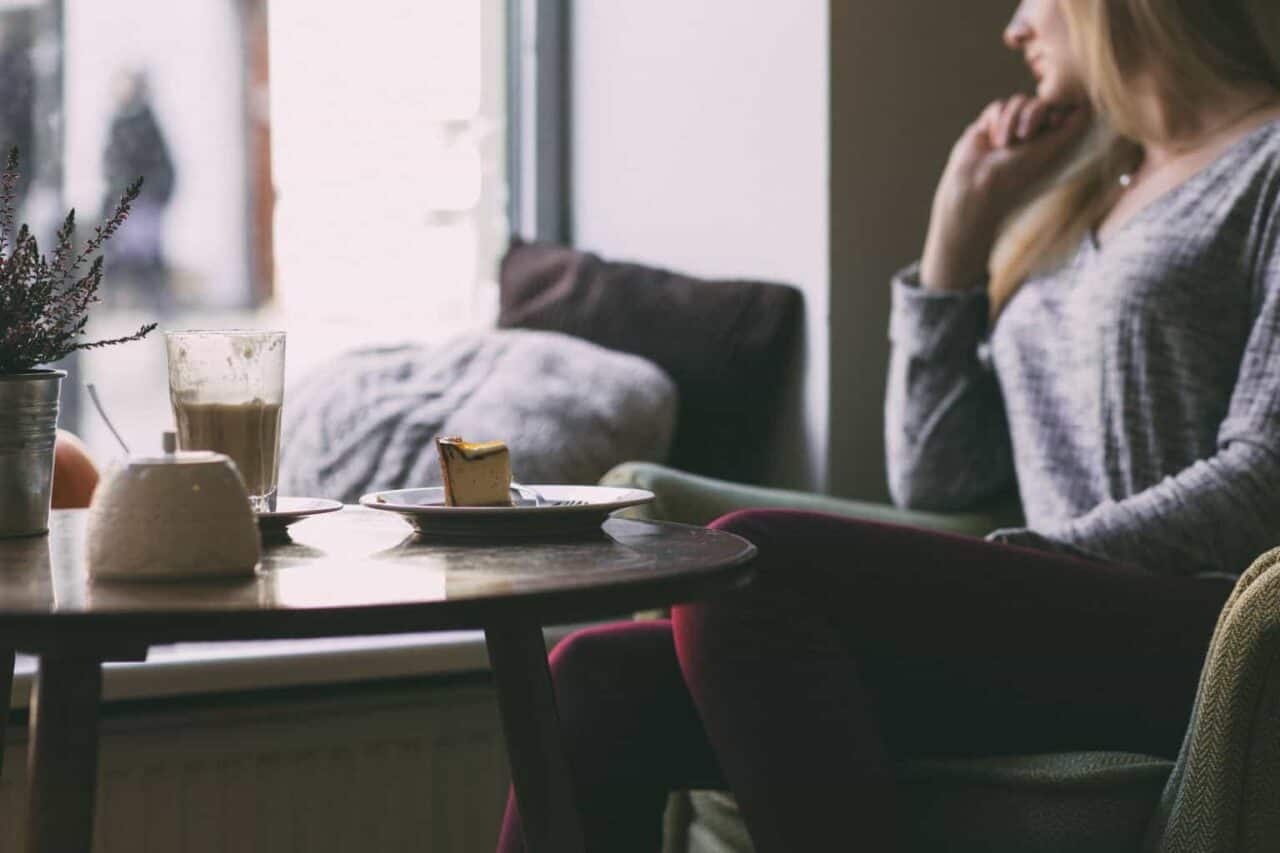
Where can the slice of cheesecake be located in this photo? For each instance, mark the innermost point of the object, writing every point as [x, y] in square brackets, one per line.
[475, 473]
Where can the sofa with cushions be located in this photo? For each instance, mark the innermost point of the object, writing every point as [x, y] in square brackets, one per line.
[593, 363]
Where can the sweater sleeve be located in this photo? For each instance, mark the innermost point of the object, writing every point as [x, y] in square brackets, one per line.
[946, 438]
[1221, 512]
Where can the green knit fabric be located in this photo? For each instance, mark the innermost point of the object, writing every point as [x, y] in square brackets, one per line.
[1224, 794]
[691, 499]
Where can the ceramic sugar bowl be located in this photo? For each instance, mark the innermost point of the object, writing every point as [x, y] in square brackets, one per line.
[179, 515]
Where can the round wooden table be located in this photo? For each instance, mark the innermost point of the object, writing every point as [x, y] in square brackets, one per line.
[354, 572]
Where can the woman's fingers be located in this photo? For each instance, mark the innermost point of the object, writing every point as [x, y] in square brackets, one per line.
[1044, 149]
[1003, 132]
[1033, 119]
[1003, 153]
[1058, 114]
[1066, 129]
[1007, 172]
[983, 128]
[1019, 119]
[990, 117]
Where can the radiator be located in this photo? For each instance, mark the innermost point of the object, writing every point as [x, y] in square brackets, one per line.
[416, 767]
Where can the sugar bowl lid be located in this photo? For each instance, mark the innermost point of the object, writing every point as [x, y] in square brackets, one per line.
[173, 456]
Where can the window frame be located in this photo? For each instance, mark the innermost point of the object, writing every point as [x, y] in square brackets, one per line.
[538, 100]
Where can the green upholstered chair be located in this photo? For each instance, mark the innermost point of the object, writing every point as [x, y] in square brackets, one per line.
[1221, 796]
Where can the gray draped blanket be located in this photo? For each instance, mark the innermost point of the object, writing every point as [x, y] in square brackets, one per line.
[568, 409]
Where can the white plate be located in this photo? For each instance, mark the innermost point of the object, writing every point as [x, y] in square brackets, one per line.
[289, 510]
[569, 509]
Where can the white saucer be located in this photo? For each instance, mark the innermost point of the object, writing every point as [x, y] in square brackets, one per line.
[567, 510]
[289, 510]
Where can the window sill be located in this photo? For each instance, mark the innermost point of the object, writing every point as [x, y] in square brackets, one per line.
[194, 668]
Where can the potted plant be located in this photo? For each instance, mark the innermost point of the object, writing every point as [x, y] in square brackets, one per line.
[44, 305]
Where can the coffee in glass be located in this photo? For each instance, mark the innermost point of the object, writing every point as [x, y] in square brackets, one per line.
[227, 389]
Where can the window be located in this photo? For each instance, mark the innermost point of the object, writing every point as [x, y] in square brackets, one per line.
[343, 176]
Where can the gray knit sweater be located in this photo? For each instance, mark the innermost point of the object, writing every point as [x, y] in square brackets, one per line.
[1131, 394]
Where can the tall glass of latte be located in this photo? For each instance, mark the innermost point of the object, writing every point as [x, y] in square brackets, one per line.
[227, 388]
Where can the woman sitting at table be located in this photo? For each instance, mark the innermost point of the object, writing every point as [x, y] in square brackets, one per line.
[1119, 365]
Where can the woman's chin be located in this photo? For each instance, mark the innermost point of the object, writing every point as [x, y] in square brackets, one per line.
[1048, 92]
[1054, 93]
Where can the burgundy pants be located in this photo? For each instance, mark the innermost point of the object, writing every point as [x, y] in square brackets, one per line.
[856, 645]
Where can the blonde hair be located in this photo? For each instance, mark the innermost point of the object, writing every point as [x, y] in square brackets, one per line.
[1195, 47]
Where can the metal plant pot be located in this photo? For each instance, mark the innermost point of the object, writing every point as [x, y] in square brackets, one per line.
[28, 427]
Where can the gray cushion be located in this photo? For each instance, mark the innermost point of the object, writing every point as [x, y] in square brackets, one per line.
[568, 409]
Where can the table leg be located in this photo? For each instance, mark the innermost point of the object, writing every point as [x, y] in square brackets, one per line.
[6, 688]
[63, 756]
[539, 769]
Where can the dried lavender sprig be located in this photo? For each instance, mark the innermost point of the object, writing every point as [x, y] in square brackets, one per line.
[43, 305]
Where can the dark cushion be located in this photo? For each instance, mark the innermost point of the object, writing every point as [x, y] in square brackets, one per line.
[726, 343]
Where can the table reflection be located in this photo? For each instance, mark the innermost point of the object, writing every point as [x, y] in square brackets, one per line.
[359, 558]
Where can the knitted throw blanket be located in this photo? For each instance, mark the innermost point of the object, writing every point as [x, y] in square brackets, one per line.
[568, 409]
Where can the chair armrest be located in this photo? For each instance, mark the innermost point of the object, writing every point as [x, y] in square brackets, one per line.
[1224, 794]
[693, 499]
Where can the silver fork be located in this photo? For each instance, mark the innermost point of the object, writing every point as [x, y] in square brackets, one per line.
[531, 494]
[521, 492]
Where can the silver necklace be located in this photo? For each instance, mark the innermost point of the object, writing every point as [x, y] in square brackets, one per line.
[1126, 178]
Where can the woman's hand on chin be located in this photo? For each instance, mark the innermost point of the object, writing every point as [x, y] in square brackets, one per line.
[998, 159]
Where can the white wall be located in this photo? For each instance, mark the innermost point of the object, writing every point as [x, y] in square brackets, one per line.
[798, 141]
[699, 143]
